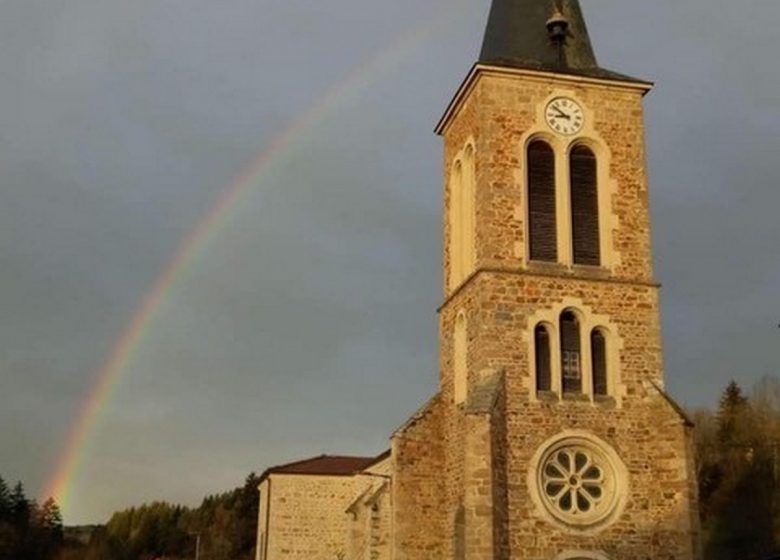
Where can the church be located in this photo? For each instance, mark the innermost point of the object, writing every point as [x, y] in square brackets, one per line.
[551, 436]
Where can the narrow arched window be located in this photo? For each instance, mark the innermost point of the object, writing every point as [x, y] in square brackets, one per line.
[462, 218]
[542, 228]
[456, 225]
[598, 352]
[571, 360]
[543, 364]
[468, 216]
[584, 206]
[460, 368]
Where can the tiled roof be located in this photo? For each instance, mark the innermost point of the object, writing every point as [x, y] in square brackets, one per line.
[326, 465]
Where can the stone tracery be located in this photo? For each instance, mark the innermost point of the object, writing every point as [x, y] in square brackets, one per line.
[579, 481]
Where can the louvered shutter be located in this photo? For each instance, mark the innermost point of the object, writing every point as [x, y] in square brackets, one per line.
[598, 349]
[541, 202]
[542, 346]
[584, 207]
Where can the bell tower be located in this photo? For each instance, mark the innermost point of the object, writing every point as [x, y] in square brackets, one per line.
[559, 441]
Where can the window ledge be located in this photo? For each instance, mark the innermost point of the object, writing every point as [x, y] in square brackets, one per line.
[605, 401]
[547, 396]
[560, 269]
[547, 267]
[590, 271]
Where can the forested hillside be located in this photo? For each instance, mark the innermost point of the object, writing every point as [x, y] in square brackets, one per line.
[27, 531]
[224, 524]
[738, 459]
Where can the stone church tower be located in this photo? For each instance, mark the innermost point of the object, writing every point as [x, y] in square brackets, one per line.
[551, 437]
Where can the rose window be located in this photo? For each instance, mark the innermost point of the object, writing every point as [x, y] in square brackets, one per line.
[580, 481]
[573, 482]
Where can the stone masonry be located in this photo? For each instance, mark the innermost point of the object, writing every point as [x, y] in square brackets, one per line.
[516, 470]
[486, 471]
[309, 509]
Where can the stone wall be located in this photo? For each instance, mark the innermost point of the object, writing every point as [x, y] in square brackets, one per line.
[370, 515]
[359, 534]
[501, 113]
[465, 476]
[380, 526]
[419, 528]
[308, 519]
[262, 522]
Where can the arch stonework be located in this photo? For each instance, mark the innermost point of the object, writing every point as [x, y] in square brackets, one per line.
[616, 485]
[589, 321]
[461, 216]
[460, 359]
[455, 241]
[607, 184]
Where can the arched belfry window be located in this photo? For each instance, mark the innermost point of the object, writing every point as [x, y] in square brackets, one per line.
[543, 353]
[584, 206]
[598, 351]
[469, 215]
[456, 235]
[460, 359]
[542, 226]
[462, 218]
[571, 355]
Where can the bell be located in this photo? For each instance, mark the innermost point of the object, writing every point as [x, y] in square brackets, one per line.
[558, 27]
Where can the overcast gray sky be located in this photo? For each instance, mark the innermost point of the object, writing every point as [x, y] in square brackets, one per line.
[307, 322]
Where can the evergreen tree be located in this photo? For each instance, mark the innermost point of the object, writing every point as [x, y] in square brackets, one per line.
[731, 410]
[8, 536]
[738, 490]
[20, 506]
[50, 516]
[5, 501]
[246, 513]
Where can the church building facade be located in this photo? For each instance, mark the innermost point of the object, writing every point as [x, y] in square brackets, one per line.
[551, 436]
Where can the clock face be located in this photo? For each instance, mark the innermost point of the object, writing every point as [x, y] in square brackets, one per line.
[564, 116]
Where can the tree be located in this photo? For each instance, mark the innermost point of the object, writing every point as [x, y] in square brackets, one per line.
[20, 506]
[731, 410]
[50, 517]
[737, 481]
[5, 501]
[245, 517]
[708, 459]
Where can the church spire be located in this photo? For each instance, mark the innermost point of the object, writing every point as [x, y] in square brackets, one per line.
[548, 35]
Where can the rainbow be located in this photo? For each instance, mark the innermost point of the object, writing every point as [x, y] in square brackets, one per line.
[281, 151]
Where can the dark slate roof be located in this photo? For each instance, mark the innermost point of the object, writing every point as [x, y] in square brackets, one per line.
[327, 465]
[517, 37]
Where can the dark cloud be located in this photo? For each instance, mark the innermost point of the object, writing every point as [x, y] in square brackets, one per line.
[307, 323]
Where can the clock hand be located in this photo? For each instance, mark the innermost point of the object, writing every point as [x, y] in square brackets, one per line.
[561, 114]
